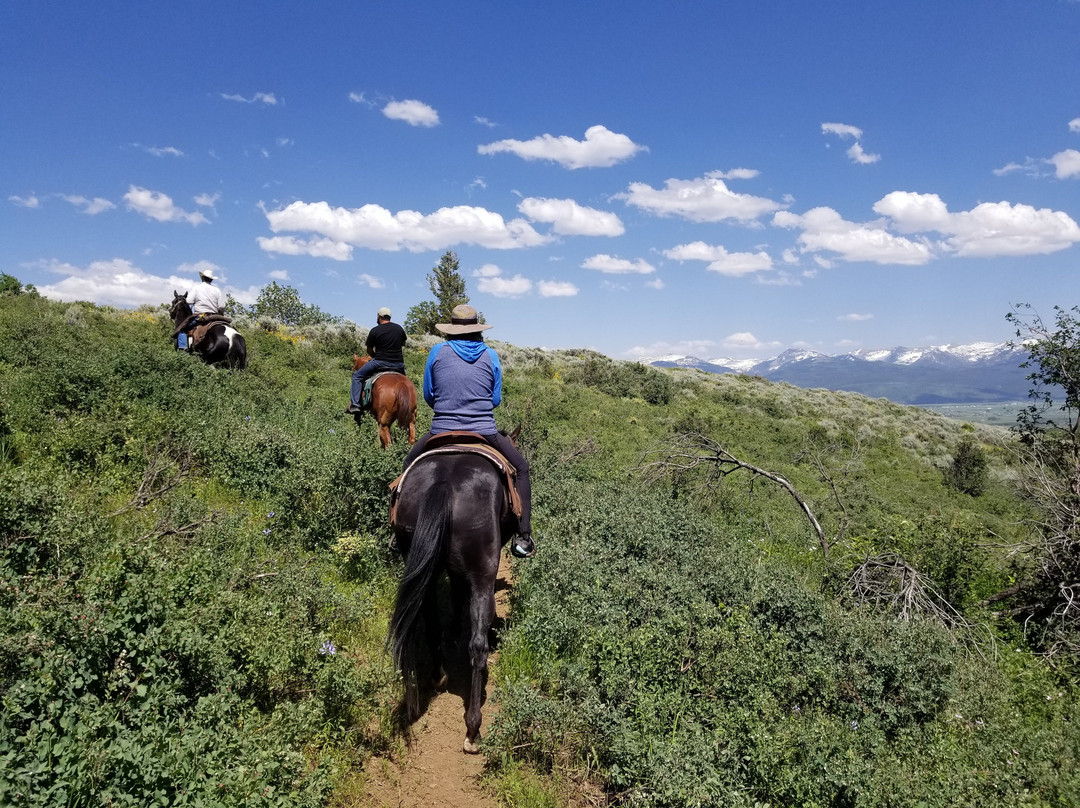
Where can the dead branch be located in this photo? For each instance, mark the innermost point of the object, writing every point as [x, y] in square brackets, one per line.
[162, 474]
[890, 582]
[161, 531]
[694, 452]
[583, 449]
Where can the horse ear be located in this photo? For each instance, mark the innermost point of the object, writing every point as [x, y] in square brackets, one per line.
[514, 435]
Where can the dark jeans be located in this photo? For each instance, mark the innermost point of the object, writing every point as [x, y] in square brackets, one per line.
[511, 453]
[369, 368]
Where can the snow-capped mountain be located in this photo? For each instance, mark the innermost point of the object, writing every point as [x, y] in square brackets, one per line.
[978, 372]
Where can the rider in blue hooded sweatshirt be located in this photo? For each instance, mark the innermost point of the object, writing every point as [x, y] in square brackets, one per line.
[463, 384]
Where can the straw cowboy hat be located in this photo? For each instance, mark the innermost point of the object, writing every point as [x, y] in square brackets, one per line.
[463, 320]
[208, 273]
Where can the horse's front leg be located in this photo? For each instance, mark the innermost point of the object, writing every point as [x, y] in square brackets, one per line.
[481, 614]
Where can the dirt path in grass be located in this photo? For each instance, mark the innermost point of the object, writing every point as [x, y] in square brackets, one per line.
[433, 772]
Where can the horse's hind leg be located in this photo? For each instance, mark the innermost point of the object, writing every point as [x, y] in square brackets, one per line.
[481, 614]
[384, 435]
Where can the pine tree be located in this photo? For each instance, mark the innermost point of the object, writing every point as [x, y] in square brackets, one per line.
[448, 287]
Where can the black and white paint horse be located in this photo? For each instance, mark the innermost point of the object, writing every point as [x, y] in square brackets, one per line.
[222, 342]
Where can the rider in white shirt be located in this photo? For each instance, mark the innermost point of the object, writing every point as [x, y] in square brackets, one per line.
[206, 298]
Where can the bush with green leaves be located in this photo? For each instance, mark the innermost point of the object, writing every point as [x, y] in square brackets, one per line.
[663, 655]
[174, 628]
[968, 471]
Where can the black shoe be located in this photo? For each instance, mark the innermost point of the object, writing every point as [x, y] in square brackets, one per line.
[353, 410]
[523, 546]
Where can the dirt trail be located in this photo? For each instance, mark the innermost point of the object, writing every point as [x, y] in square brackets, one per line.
[434, 772]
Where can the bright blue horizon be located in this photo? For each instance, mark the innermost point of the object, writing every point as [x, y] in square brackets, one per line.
[722, 180]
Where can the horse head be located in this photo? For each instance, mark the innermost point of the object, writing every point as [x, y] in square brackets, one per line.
[359, 361]
[180, 307]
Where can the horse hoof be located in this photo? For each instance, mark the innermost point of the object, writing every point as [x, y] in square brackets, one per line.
[471, 747]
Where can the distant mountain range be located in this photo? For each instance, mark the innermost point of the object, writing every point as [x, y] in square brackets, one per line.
[946, 374]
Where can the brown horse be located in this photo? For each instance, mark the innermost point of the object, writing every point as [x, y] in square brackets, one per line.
[393, 398]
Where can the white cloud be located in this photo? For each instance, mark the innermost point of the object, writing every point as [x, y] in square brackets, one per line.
[1066, 164]
[91, 207]
[720, 260]
[480, 119]
[1074, 125]
[316, 247]
[162, 151]
[655, 283]
[207, 200]
[413, 112]
[744, 342]
[158, 206]
[601, 148]
[370, 281]
[487, 271]
[492, 282]
[568, 218]
[737, 174]
[912, 213]
[25, 201]
[279, 275]
[374, 227]
[988, 229]
[611, 265]
[262, 98]
[842, 130]
[556, 289]
[824, 229]
[1012, 168]
[856, 153]
[861, 157]
[854, 318]
[705, 199]
[112, 283]
[358, 98]
[118, 282]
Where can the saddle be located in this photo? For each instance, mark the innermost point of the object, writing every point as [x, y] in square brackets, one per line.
[460, 442]
[198, 326]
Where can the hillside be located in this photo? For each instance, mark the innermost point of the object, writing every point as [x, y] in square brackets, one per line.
[194, 586]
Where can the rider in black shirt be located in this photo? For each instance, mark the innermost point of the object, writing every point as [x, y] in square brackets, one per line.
[384, 345]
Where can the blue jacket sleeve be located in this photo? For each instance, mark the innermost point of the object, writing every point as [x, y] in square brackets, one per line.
[429, 390]
[496, 367]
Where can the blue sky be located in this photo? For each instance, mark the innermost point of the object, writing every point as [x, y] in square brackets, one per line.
[721, 179]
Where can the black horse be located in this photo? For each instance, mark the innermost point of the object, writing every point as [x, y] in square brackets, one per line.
[453, 513]
[222, 342]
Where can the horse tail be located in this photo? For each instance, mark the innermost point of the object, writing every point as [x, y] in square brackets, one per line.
[404, 404]
[424, 561]
[237, 356]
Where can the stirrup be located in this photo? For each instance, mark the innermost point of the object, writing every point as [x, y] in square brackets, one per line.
[523, 546]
